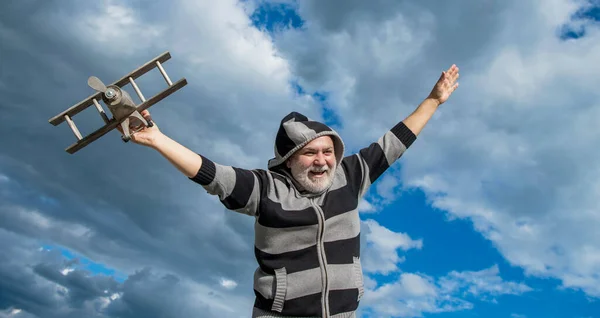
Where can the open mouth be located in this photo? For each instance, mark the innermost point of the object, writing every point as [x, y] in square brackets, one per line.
[318, 174]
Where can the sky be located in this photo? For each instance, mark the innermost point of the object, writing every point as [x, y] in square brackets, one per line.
[492, 212]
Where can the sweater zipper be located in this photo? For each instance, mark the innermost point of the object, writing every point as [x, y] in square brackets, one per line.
[322, 260]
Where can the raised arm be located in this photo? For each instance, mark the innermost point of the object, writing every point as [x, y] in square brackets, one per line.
[371, 162]
[185, 160]
[238, 189]
[440, 93]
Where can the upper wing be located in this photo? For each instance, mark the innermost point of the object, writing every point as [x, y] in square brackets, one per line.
[113, 123]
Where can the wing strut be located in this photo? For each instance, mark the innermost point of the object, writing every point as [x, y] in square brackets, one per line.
[110, 123]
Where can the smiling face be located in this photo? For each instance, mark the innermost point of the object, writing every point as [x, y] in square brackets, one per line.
[314, 165]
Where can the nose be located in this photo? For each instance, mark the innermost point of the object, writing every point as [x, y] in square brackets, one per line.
[320, 159]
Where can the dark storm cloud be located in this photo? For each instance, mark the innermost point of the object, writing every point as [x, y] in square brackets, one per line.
[116, 203]
[81, 287]
[104, 186]
[37, 282]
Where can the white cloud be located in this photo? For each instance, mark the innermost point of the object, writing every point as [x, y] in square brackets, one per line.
[35, 222]
[380, 250]
[387, 188]
[228, 283]
[481, 283]
[34, 218]
[116, 29]
[535, 198]
[66, 271]
[365, 207]
[12, 312]
[225, 41]
[413, 295]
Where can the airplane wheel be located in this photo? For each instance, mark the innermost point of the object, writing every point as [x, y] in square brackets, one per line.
[150, 124]
[125, 139]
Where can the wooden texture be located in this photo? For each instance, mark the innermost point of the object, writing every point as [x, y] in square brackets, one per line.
[73, 110]
[113, 123]
[73, 127]
[100, 110]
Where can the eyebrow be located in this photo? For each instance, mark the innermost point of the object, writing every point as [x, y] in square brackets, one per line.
[315, 149]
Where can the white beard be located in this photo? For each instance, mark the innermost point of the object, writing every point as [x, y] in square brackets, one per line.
[313, 185]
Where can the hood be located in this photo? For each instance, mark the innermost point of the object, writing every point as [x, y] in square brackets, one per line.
[296, 131]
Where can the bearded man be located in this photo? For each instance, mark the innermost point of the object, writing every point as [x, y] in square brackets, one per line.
[305, 205]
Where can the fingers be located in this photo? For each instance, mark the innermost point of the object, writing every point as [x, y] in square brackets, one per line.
[447, 81]
[451, 76]
[146, 114]
[453, 72]
[453, 69]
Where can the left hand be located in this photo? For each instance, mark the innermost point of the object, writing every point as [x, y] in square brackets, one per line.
[445, 85]
[147, 136]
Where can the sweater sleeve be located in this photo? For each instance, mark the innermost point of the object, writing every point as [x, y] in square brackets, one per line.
[238, 189]
[366, 166]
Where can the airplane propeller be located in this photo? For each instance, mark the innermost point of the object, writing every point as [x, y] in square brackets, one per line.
[96, 84]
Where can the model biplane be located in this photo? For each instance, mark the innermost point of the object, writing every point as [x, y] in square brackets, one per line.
[125, 112]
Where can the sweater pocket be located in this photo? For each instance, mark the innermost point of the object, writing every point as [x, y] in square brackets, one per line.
[280, 289]
[358, 277]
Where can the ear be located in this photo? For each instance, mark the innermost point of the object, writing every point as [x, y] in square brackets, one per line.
[288, 163]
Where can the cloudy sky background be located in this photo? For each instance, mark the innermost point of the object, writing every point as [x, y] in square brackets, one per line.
[491, 213]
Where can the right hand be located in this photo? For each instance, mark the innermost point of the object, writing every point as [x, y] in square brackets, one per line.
[148, 136]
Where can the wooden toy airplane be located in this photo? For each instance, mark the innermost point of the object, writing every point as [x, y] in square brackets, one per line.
[125, 112]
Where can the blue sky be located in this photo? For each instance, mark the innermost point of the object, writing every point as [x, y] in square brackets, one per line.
[589, 13]
[82, 263]
[491, 213]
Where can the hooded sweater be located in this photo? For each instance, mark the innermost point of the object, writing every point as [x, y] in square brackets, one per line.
[307, 245]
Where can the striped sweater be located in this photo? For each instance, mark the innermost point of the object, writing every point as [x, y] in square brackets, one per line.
[307, 245]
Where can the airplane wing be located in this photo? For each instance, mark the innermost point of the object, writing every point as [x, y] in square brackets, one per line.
[110, 124]
[113, 123]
